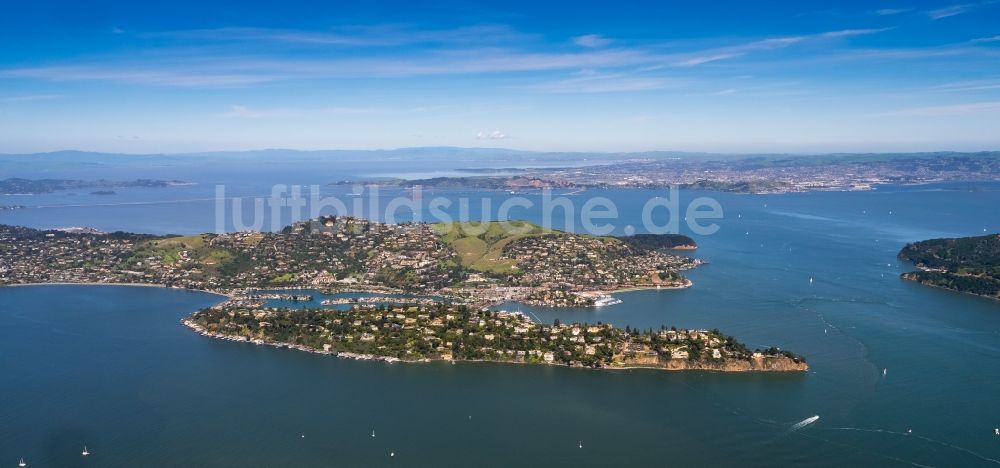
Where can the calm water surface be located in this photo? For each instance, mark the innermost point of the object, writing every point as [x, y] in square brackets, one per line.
[112, 368]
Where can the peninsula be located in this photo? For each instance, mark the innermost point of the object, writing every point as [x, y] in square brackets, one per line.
[968, 264]
[462, 272]
[18, 186]
[442, 331]
[481, 264]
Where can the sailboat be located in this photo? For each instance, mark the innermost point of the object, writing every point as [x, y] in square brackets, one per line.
[22, 463]
[85, 451]
[581, 444]
[373, 432]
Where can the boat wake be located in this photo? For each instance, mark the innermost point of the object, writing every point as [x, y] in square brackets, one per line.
[802, 424]
[926, 439]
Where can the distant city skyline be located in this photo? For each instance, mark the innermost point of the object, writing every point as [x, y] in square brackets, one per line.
[556, 76]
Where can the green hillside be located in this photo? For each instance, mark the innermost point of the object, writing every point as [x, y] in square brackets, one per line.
[968, 264]
[479, 245]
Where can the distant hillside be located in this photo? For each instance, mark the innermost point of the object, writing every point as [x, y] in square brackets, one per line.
[969, 264]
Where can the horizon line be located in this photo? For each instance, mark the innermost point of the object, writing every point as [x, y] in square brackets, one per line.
[511, 150]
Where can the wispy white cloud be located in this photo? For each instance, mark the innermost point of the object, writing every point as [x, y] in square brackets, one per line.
[591, 40]
[701, 59]
[245, 112]
[948, 110]
[241, 111]
[236, 71]
[892, 11]
[726, 92]
[911, 53]
[494, 135]
[985, 40]
[210, 66]
[958, 9]
[729, 52]
[854, 32]
[968, 85]
[151, 76]
[953, 10]
[31, 97]
[356, 36]
[604, 83]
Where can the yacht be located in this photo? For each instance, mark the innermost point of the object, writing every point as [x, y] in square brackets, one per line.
[85, 451]
[22, 463]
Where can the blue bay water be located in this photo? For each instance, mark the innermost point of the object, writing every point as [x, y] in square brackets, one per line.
[111, 367]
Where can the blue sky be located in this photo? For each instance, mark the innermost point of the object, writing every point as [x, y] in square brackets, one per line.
[892, 75]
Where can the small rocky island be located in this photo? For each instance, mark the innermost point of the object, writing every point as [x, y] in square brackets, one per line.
[968, 264]
[450, 332]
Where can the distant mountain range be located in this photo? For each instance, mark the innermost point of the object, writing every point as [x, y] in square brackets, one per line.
[438, 151]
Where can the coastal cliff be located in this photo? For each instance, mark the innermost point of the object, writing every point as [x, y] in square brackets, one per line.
[757, 363]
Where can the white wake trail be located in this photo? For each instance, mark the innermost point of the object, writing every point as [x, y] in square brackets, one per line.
[803, 423]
